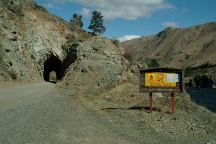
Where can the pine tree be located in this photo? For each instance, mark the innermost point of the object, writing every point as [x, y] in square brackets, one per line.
[77, 20]
[96, 24]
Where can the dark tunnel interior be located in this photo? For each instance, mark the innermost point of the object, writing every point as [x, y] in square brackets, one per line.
[53, 63]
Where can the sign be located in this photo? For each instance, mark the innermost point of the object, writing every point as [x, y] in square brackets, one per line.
[161, 80]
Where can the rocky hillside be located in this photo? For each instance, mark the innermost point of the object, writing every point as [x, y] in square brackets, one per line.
[33, 42]
[100, 65]
[193, 49]
[29, 36]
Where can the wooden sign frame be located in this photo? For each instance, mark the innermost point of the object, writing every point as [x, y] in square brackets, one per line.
[146, 89]
[179, 86]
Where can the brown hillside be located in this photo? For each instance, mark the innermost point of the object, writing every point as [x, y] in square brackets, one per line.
[193, 48]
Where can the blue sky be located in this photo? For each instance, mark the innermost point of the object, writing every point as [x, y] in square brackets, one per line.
[131, 18]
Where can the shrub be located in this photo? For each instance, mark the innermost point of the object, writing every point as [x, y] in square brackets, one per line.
[116, 42]
[153, 63]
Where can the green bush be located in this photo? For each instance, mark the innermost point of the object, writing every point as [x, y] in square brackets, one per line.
[154, 63]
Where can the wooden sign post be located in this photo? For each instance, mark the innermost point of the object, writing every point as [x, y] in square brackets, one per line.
[150, 107]
[161, 80]
[172, 102]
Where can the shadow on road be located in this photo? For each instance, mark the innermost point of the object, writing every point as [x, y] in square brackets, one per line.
[204, 96]
[135, 108]
[147, 108]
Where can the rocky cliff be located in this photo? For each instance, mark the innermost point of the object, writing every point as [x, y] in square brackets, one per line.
[29, 36]
[33, 43]
[99, 65]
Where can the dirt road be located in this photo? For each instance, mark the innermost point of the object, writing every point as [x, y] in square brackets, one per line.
[41, 113]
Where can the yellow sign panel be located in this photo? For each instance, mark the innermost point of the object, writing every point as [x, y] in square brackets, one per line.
[159, 79]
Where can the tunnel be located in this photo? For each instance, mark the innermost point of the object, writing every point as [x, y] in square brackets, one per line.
[52, 64]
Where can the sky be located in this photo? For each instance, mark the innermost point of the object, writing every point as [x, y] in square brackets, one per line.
[127, 19]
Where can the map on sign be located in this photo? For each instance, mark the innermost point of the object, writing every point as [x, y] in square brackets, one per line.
[159, 79]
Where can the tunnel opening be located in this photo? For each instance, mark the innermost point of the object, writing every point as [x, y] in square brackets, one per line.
[55, 69]
[52, 65]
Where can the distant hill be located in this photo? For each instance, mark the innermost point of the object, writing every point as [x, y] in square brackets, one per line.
[193, 49]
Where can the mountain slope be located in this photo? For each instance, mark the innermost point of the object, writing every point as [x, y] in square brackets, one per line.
[192, 48]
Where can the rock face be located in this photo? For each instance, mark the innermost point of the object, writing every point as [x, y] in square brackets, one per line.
[34, 43]
[29, 36]
[193, 49]
[99, 64]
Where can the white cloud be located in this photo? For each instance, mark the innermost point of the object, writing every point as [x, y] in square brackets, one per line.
[170, 24]
[125, 9]
[85, 12]
[51, 6]
[128, 37]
